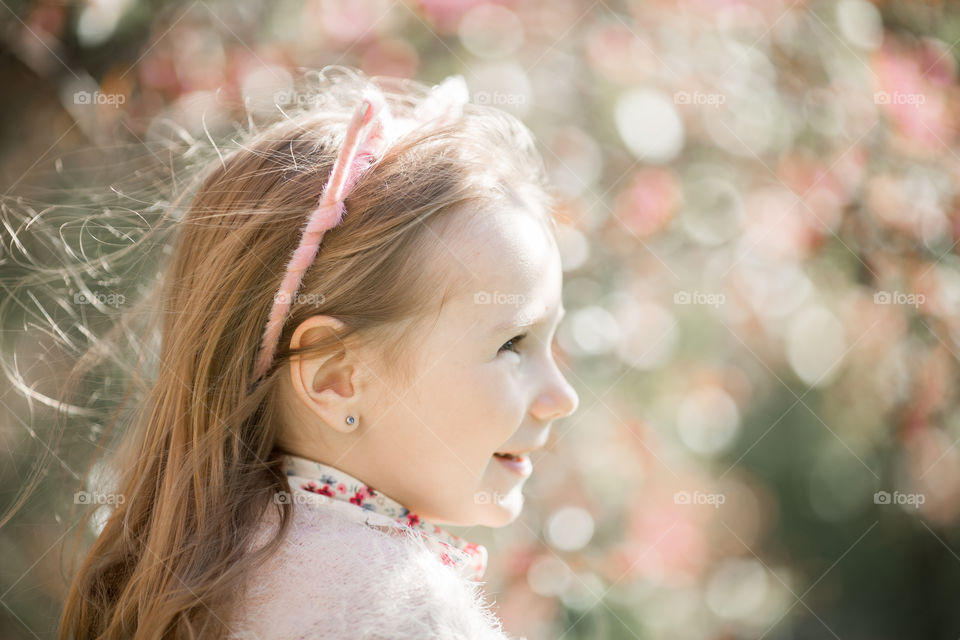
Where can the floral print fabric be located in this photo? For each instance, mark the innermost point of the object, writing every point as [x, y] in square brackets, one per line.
[355, 499]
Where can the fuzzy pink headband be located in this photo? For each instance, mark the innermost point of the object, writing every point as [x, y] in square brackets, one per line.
[370, 133]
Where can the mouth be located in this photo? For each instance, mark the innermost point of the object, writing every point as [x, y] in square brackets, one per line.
[517, 463]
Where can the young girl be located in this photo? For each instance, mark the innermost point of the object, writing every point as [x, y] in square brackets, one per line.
[357, 321]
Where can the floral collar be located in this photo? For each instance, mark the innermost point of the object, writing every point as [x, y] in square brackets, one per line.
[361, 502]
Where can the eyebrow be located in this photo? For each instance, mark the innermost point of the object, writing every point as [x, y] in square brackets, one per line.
[525, 321]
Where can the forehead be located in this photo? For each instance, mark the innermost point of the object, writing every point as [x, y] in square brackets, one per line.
[506, 263]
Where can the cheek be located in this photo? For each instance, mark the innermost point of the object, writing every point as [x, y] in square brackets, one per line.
[476, 409]
[498, 385]
[500, 404]
[482, 392]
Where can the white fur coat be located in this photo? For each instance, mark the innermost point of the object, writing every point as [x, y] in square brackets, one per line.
[336, 576]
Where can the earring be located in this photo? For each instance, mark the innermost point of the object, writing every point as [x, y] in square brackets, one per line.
[351, 419]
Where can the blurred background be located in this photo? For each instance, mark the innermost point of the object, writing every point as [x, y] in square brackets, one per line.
[759, 218]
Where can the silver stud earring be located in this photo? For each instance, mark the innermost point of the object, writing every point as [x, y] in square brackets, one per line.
[351, 419]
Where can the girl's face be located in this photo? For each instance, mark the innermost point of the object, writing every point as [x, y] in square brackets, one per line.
[478, 386]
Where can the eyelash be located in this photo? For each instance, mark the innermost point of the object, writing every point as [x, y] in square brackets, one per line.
[515, 340]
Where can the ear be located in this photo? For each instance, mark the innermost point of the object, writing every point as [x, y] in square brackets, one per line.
[327, 384]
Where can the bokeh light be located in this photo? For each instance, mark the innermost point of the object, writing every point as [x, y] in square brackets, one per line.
[758, 222]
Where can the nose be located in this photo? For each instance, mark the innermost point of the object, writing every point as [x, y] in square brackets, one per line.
[557, 400]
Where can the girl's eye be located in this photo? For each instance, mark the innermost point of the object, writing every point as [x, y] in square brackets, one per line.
[512, 342]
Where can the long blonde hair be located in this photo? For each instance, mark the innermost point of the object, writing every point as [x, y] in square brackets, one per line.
[198, 467]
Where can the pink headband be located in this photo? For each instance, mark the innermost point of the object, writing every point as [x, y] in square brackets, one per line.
[370, 133]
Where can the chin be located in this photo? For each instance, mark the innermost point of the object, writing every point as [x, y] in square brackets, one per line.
[490, 515]
[500, 515]
[499, 520]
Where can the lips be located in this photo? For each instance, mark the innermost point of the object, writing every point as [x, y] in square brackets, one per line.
[518, 453]
[520, 465]
[510, 456]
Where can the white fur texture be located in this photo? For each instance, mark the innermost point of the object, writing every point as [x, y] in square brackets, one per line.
[336, 577]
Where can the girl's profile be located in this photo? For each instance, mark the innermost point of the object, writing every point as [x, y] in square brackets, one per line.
[355, 320]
